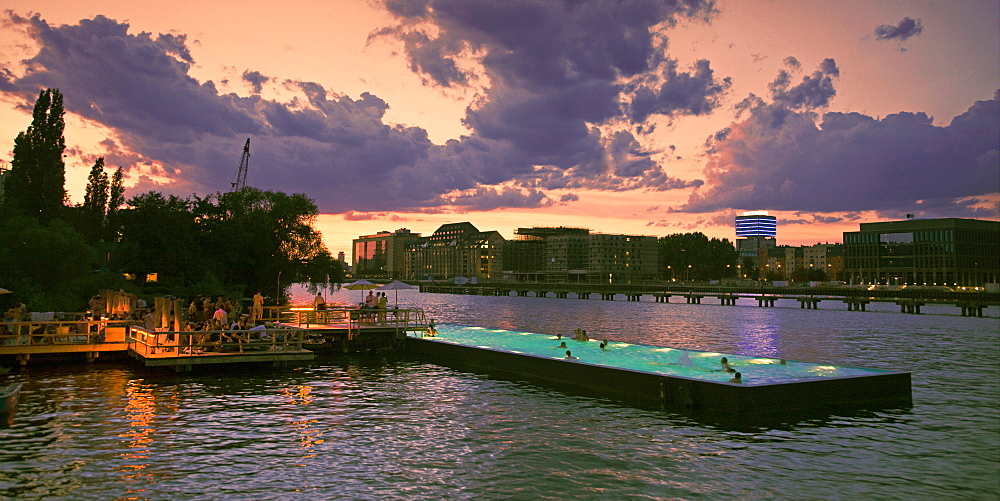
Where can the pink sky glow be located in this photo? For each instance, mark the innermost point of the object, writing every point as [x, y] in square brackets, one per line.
[643, 117]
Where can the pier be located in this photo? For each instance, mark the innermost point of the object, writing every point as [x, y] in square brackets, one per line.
[86, 337]
[295, 334]
[970, 304]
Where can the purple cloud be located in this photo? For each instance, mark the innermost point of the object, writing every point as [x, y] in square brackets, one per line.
[905, 29]
[556, 71]
[784, 156]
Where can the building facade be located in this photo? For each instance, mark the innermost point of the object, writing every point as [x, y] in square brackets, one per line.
[576, 255]
[756, 233]
[382, 255]
[943, 252]
[456, 250]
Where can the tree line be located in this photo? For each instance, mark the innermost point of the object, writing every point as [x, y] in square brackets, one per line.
[56, 254]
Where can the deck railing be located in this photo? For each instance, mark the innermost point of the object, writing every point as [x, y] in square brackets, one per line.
[355, 319]
[62, 332]
[193, 343]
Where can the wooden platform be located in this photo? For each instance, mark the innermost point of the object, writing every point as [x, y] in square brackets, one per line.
[184, 350]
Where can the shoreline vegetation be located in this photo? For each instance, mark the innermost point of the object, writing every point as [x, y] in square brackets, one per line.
[57, 255]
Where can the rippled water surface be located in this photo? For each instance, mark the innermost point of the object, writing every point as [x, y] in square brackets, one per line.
[388, 427]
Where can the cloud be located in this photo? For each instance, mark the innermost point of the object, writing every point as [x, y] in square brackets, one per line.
[255, 79]
[557, 73]
[489, 198]
[786, 155]
[905, 29]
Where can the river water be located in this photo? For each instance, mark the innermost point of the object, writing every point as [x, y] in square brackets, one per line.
[392, 428]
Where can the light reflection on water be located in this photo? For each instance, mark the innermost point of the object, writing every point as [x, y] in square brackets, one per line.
[370, 428]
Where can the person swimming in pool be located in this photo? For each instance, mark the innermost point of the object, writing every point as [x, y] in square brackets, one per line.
[561, 345]
[569, 356]
[737, 378]
[725, 366]
[604, 345]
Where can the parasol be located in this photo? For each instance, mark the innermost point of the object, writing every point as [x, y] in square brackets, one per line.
[397, 286]
[362, 285]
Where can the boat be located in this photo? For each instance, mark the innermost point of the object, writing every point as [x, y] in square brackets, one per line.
[9, 397]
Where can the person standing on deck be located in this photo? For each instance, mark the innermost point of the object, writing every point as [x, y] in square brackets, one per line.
[221, 317]
[257, 310]
[383, 305]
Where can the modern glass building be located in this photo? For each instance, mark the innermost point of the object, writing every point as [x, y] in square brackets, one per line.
[944, 252]
[756, 224]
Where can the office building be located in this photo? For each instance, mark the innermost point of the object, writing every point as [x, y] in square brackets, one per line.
[943, 252]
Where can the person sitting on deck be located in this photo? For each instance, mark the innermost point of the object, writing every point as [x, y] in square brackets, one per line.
[431, 331]
[569, 356]
[737, 378]
[149, 321]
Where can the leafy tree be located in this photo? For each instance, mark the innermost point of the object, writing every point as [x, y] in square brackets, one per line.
[159, 236]
[809, 275]
[35, 185]
[95, 201]
[255, 236]
[45, 264]
[693, 256]
[116, 199]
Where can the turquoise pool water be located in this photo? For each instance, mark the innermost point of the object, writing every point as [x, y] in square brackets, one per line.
[704, 365]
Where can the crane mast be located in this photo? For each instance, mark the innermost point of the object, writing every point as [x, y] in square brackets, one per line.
[241, 173]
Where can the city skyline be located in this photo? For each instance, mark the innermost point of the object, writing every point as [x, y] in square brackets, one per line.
[395, 115]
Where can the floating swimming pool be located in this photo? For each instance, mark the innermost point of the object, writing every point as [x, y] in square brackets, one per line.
[665, 376]
[656, 359]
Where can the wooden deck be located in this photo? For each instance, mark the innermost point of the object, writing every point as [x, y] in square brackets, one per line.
[348, 330]
[183, 350]
[290, 340]
[90, 337]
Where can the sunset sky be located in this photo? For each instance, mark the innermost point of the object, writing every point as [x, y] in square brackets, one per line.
[642, 117]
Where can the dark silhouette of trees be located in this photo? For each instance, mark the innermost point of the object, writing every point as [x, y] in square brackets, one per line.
[55, 257]
[95, 203]
[35, 184]
[695, 257]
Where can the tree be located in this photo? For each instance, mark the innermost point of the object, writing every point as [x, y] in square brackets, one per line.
[159, 236]
[253, 236]
[116, 198]
[692, 256]
[35, 185]
[95, 202]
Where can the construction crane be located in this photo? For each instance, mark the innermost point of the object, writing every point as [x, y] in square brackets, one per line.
[241, 173]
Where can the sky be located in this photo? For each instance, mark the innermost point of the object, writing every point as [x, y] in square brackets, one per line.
[640, 117]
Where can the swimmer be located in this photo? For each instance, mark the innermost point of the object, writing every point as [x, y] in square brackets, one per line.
[569, 356]
[561, 345]
[684, 360]
[737, 378]
[725, 365]
[782, 362]
[558, 336]
[604, 346]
